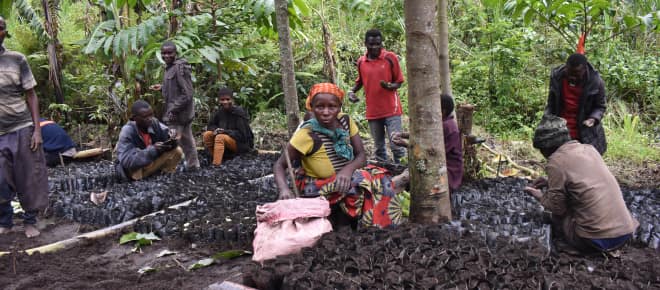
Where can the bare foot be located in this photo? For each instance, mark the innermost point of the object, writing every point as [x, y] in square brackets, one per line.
[31, 231]
[4, 230]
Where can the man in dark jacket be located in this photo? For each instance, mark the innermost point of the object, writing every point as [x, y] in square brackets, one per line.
[177, 90]
[577, 94]
[145, 146]
[228, 132]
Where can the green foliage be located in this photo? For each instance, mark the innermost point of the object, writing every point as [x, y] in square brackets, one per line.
[124, 41]
[625, 138]
[28, 15]
[226, 255]
[139, 239]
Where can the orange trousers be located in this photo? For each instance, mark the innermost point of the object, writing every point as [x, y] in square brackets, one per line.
[216, 144]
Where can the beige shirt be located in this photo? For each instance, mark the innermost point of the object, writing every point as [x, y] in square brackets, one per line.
[15, 78]
[581, 185]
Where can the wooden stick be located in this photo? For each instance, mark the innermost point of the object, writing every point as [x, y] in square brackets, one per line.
[290, 170]
[83, 238]
[513, 164]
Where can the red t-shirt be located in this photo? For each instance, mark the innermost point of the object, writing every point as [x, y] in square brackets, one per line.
[146, 138]
[571, 98]
[381, 103]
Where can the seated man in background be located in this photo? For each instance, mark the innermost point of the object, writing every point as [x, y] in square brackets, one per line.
[453, 147]
[145, 146]
[228, 131]
[584, 197]
[56, 143]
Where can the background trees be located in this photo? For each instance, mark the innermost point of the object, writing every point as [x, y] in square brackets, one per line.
[501, 53]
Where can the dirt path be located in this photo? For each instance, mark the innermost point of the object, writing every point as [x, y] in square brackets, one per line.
[107, 265]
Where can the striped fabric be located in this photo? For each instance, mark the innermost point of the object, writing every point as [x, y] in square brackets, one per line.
[15, 78]
[337, 162]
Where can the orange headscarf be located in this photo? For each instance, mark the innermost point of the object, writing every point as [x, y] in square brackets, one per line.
[328, 88]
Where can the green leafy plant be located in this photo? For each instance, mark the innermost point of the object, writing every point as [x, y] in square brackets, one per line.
[139, 239]
[226, 255]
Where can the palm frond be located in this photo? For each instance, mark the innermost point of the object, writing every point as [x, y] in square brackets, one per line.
[27, 14]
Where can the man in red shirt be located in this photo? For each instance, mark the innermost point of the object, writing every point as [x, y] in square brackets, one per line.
[380, 74]
[577, 94]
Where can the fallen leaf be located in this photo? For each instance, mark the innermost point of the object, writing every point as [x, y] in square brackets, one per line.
[164, 253]
[231, 254]
[98, 197]
[146, 269]
[202, 263]
[509, 172]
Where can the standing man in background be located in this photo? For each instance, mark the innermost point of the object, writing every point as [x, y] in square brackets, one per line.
[380, 74]
[22, 162]
[577, 94]
[177, 89]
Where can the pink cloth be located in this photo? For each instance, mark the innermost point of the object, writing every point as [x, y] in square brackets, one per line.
[286, 226]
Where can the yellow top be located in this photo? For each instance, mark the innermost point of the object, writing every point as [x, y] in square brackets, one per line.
[318, 164]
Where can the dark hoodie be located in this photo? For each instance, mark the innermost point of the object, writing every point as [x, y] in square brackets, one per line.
[236, 124]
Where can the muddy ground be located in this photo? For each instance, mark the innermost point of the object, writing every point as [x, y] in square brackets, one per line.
[498, 241]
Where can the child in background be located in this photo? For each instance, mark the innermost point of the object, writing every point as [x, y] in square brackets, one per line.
[453, 147]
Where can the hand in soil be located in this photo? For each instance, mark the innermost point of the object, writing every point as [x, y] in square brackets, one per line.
[540, 182]
[536, 193]
[31, 231]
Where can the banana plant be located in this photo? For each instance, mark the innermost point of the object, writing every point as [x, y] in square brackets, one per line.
[46, 27]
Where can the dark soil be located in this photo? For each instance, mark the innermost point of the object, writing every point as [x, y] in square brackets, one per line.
[105, 264]
[447, 257]
[499, 239]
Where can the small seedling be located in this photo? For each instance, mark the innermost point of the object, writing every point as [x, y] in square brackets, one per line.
[226, 255]
[201, 264]
[139, 239]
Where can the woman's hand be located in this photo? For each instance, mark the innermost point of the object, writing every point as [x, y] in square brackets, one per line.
[286, 194]
[343, 180]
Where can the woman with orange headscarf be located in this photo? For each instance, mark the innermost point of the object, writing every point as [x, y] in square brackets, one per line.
[333, 164]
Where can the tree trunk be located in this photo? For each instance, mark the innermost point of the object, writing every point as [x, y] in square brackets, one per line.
[329, 63]
[286, 64]
[174, 24]
[443, 40]
[430, 201]
[54, 69]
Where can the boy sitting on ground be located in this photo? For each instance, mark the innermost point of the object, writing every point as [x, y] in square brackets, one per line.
[145, 146]
[453, 147]
[228, 132]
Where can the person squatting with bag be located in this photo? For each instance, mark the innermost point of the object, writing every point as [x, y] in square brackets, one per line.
[336, 169]
[228, 132]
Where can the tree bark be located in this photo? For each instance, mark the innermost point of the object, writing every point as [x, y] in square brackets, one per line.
[329, 64]
[54, 69]
[443, 40]
[174, 24]
[430, 201]
[286, 64]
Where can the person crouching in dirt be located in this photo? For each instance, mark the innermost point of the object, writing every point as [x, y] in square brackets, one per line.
[333, 159]
[145, 146]
[582, 194]
[453, 147]
[228, 131]
[56, 142]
